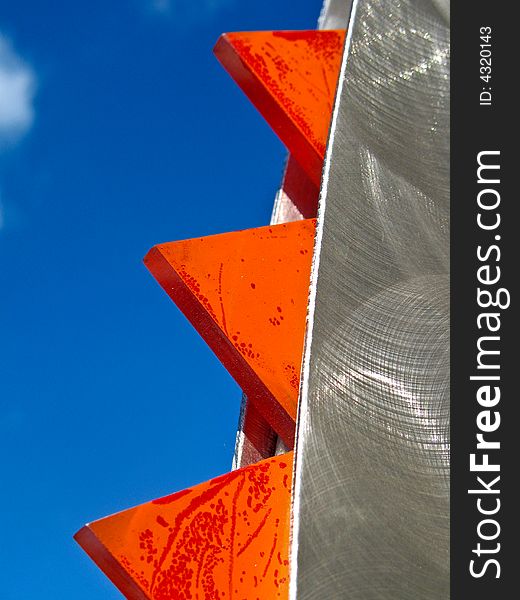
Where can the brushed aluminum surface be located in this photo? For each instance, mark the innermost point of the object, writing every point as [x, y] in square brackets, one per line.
[371, 496]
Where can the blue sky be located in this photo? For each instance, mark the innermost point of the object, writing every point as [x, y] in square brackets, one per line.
[118, 130]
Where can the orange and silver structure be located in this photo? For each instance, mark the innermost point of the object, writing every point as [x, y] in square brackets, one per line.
[334, 321]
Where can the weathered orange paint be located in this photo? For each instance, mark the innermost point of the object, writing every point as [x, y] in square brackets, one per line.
[246, 294]
[224, 539]
[291, 78]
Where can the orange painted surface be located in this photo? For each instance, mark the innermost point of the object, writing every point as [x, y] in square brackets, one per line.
[246, 294]
[224, 539]
[291, 77]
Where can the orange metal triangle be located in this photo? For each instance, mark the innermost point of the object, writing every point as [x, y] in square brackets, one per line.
[227, 538]
[291, 77]
[246, 294]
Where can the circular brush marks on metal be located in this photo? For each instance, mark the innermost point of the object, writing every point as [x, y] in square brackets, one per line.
[371, 497]
[385, 371]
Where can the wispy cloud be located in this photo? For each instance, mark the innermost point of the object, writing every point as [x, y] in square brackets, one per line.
[190, 9]
[162, 6]
[17, 88]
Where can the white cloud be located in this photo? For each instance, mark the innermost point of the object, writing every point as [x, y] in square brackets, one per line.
[17, 88]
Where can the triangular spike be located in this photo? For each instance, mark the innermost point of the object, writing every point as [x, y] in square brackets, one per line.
[291, 77]
[246, 294]
[226, 538]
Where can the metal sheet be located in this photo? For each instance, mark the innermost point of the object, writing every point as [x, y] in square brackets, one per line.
[246, 293]
[225, 538]
[291, 77]
[371, 496]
